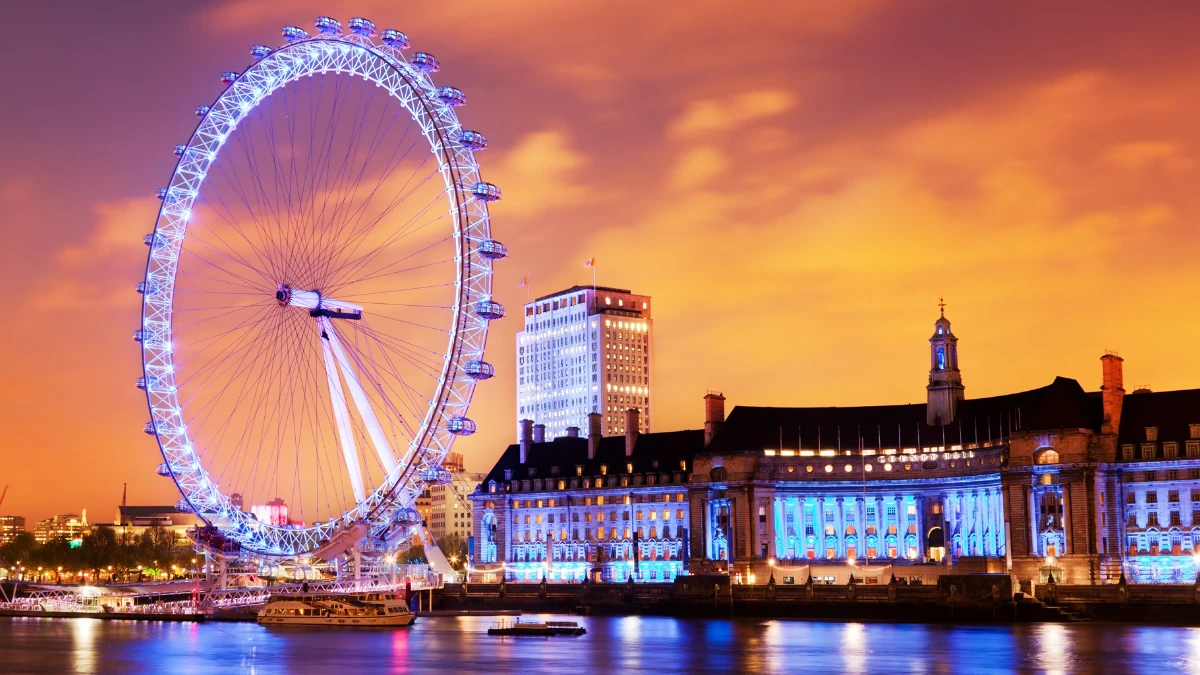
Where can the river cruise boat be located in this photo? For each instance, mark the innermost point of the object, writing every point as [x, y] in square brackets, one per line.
[336, 609]
[537, 628]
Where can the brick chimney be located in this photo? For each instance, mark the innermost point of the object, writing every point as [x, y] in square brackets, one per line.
[594, 420]
[714, 415]
[572, 432]
[526, 439]
[632, 427]
[539, 433]
[1112, 392]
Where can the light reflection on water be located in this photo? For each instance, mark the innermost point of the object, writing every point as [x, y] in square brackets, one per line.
[634, 644]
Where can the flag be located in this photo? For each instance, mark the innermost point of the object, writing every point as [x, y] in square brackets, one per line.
[524, 282]
[590, 263]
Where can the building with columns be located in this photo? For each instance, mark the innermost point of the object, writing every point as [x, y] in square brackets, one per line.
[1055, 482]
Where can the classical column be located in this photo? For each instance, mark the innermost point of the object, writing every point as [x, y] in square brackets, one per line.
[980, 521]
[1001, 528]
[798, 519]
[920, 521]
[819, 528]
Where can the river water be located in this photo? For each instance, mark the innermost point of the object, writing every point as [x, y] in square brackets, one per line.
[612, 644]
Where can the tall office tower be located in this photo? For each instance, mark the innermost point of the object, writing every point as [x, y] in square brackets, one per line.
[585, 349]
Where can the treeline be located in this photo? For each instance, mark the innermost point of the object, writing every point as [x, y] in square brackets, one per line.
[106, 554]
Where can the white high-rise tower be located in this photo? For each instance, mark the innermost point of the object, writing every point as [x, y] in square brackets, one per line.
[586, 349]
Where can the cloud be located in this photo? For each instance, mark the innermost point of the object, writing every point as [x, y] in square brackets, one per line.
[697, 166]
[539, 174]
[1139, 155]
[718, 115]
[120, 226]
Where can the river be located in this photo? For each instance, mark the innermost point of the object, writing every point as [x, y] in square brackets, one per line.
[613, 644]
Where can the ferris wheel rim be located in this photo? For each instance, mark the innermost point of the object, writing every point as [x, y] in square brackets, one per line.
[467, 332]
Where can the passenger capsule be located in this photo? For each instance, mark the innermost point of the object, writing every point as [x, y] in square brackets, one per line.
[486, 192]
[164, 469]
[179, 150]
[328, 25]
[147, 288]
[438, 476]
[228, 77]
[202, 110]
[407, 515]
[492, 249]
[394, 38]
[451, 96]
[361, 26]
[183, 506]
[294, 33]
[259, 51]
[489, 309]
[154, 241]
[149, 428]
[461, 426]
[472, 139]
[479, 370]
[425, 62]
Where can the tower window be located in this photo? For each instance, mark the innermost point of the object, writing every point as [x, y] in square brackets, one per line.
[941, 356]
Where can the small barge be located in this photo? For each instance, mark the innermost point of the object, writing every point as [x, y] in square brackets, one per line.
[537, 628]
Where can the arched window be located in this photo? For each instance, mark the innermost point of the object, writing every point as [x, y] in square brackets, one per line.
[1046, 456]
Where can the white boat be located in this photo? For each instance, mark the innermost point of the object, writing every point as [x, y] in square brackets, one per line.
[357, 610]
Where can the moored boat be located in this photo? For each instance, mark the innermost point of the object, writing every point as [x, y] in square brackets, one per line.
[537, 628]
[355, 610]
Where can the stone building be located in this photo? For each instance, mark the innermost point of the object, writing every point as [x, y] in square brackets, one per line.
[1054, 482]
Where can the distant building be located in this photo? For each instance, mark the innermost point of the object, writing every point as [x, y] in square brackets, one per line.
[235, 500]
[67, 526]
[424, 506]
[10, 527]
[586, 350]
[134, 520]
[274, 512]
[450, 507]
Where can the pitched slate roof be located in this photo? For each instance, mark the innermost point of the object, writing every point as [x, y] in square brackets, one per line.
[1061, 404]
[1170, 411]
[667, 448]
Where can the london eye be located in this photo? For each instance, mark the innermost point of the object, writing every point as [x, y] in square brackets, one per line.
[317, 293]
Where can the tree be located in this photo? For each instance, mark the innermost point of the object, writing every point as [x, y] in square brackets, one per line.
[99, 549]
[19, 551]
[454, 547]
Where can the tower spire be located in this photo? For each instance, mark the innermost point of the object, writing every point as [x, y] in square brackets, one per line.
[945, 389]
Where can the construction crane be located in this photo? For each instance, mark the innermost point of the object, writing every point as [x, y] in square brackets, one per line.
[3, 494]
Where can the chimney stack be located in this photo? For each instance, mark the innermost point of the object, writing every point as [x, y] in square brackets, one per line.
[572, 432]
[714, 415]
[526, 439]
[1112, 392]
[539, 433]
[632, 419]
[593, 434]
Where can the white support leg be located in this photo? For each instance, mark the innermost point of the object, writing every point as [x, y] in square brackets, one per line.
[374, 430]
[341, 414]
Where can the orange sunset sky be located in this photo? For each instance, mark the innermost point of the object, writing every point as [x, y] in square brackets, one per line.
[795, 183]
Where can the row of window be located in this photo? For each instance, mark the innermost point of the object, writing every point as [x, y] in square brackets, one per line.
[1193, 432]
[600, 534]
[1170, 450]
[599, 500]
[587, 516]
[1151, 496]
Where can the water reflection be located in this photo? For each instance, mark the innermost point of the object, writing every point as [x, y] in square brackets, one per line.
[613, 644]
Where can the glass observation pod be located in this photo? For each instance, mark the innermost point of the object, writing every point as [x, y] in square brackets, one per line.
[489, 309]
[259, 51]
[202, 110]
[228, 77]
[425, 62]
[154, 240]
[452, 96]
[394, 39]
[472, 139]
[183, 506]
[327, 25]
[179, 150]
[294, 33]
[143, 383]
[165, 195]
[164, 469]
[149, 428]
[407, 515]
[492, 249]
[479, 370]
[461, 426]
[361, 26]
[147, 288]
[438, 476]
[486, 192]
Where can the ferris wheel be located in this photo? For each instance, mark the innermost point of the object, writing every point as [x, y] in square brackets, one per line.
[317, 293]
